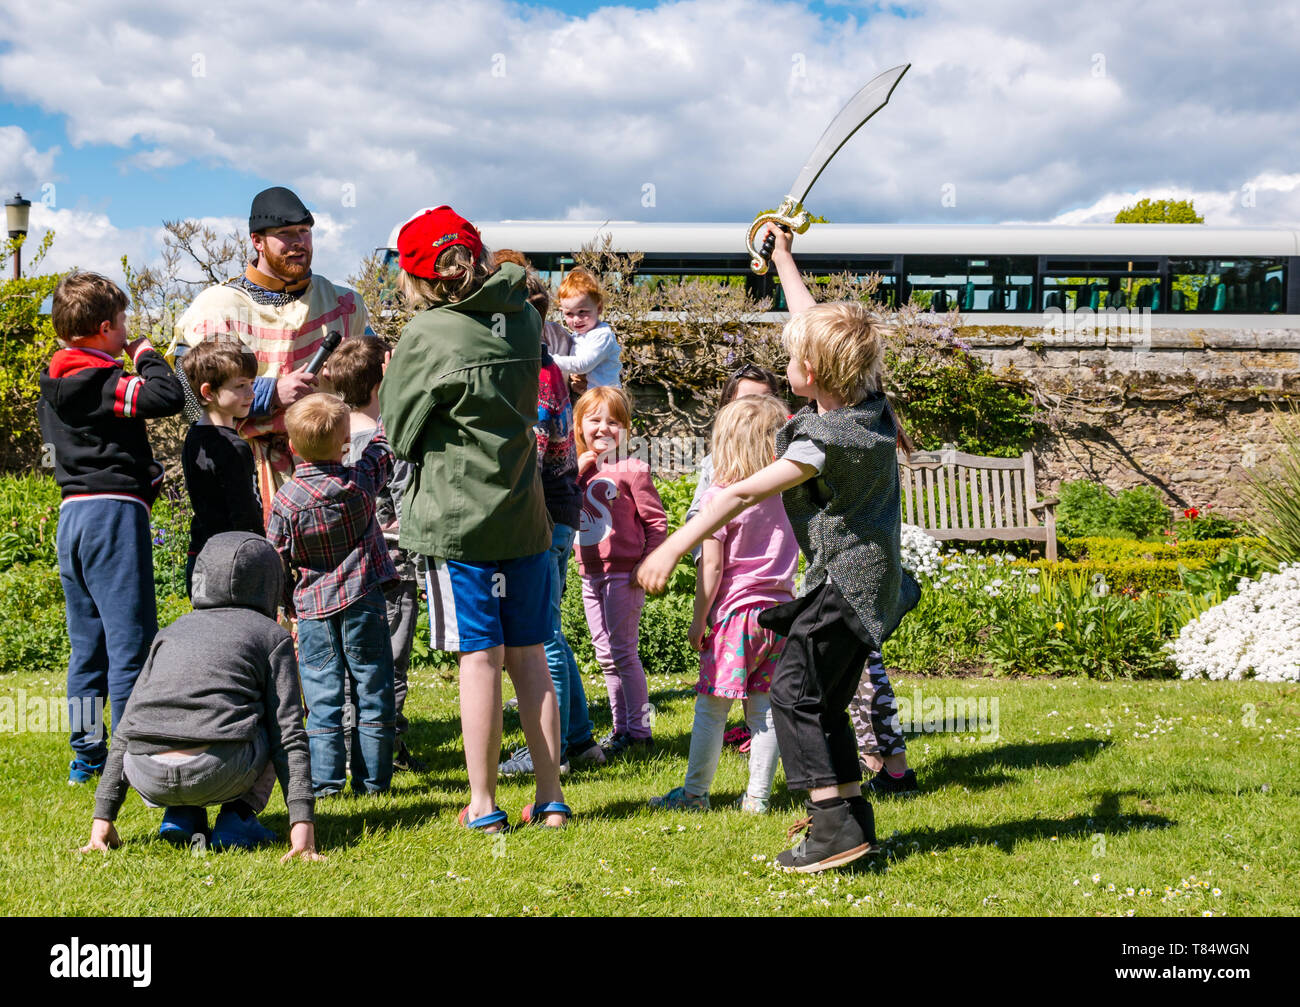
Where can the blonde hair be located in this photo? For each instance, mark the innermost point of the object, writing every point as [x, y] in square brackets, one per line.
[613, 399]
[462, 275]
[313, 423]
[744, 437]
[844, 344]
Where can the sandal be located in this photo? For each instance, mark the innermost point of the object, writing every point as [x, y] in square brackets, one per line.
[535, 814]
[494, 817]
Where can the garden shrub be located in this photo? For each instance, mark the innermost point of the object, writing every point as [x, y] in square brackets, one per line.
[662, 641]
[1107, 550]
[169, 521]
[1253, 634]
[33, 629]
[1022, 619]
[955, 399]
[27, 342]
[1201, 525]
[1275, 491]
[1087, 509]
[29, 517]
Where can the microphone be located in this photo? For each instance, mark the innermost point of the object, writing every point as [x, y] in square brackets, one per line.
[327, 346]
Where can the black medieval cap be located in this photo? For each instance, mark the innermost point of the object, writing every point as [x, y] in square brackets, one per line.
[277, 207]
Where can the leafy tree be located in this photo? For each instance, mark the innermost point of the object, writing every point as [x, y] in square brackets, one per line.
[194, 257]
[27, 342]
[1160, 211]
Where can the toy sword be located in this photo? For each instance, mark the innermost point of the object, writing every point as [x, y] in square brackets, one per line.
[791, 214]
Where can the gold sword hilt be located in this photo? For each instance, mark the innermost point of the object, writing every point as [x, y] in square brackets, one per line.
[790, 214]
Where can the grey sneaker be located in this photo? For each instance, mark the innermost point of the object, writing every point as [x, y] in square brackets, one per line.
[520, 763]
[752, 805]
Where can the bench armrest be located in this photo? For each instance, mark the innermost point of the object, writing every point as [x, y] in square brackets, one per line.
[1049, 502]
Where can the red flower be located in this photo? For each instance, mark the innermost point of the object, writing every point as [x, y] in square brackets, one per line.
[1191, 513]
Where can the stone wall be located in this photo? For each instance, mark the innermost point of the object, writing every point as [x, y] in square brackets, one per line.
[1185, 411]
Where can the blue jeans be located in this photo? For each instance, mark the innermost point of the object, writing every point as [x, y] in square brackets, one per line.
[559, 655]
[354, 643]
[106, 567]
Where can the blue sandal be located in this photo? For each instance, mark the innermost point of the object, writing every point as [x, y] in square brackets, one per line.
[494, 817]
[535, 814]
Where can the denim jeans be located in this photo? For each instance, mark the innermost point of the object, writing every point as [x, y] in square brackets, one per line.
[354, 642]
[559, 655]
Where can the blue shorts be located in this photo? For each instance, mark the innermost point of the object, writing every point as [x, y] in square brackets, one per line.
[477, 606]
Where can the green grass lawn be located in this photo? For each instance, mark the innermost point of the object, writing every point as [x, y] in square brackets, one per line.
[1091, 791]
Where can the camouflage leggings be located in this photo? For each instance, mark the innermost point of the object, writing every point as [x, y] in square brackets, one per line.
[874, 712]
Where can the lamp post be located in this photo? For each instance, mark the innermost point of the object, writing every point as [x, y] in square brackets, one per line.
[17, 211]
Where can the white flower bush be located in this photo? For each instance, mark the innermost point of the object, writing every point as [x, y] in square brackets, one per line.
[920, 552]
[1254, 634]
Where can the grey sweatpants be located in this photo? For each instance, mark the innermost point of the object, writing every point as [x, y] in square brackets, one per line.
[223, 771]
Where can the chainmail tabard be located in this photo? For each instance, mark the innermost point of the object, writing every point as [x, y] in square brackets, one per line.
[275, 298]
[848, 519]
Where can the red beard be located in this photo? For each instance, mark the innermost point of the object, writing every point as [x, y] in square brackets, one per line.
[289, 270]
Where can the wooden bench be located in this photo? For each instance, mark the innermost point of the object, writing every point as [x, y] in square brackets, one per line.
[968, 498]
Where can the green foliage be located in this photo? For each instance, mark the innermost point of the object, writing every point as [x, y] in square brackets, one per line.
[955, 399]
[1063, 620]
[1207, 584]
[29, 517]
[1107, 550]
[170, 524]
[1160, 211]
[1087, 509]
[33, 630]
[1275, 491]
[171, 607]
[27, 342]
[1197, 525]
[1123, 575]
[676, 495]
[662, 640]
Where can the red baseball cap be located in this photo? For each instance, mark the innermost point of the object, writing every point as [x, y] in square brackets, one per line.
[430, 233]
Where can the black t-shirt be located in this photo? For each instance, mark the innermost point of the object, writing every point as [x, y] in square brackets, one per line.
[221, 479]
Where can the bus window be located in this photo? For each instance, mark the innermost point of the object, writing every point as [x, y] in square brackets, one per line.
[1230, 286]
[993, 283]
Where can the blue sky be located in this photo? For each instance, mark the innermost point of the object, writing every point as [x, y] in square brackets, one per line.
[137, 112]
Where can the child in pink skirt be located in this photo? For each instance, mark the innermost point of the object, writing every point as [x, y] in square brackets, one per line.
[746, 566]
[622, 521]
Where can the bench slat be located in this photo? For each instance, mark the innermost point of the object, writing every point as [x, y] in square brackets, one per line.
[984, 495]
[997, 501]
[942, 483]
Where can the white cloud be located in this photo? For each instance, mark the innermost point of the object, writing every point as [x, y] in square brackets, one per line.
[23, 167]
[1267, 200]
[88, 240]
[1025, 110]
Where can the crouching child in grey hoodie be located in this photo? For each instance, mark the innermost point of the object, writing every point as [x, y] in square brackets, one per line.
[215, 717]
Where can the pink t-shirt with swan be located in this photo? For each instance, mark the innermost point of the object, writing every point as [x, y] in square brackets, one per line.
[622, 517]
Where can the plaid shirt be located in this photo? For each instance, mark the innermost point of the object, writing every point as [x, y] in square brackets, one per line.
[323, 523]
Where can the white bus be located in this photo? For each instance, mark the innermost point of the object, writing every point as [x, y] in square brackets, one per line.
[1188, 275]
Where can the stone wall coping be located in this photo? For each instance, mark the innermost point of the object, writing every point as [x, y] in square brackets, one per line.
[1005, 336]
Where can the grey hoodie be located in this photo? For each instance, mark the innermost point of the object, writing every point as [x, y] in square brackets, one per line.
[221, 673]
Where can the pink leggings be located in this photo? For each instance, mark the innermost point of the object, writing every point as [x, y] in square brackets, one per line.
[613, 602]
